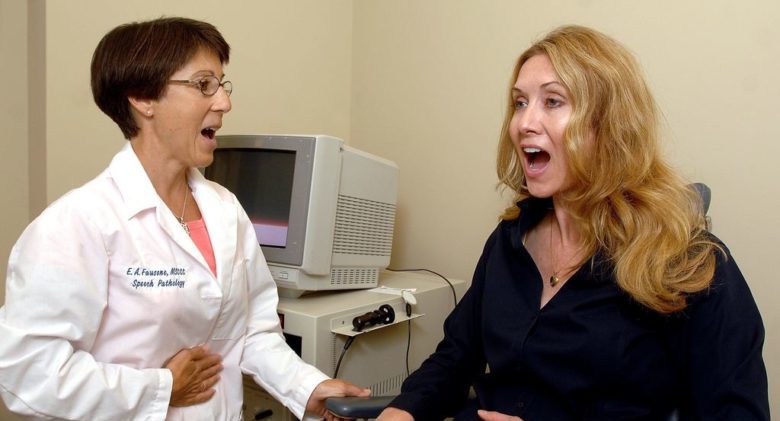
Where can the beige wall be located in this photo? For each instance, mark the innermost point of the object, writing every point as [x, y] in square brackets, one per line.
[13, 115]
[290, 67]
[13, 147]
[423, 83]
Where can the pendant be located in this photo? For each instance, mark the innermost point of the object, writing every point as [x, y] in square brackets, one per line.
[554, 280]
[184, 225]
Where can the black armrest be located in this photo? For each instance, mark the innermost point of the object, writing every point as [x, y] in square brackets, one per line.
[371, 407]
[357, 407]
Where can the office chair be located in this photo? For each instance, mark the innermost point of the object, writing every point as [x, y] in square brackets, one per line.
[371, 407]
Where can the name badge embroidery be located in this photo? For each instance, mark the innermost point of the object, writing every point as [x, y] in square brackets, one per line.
[148, 278]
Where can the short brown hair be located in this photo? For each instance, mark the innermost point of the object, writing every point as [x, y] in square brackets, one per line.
[137, 59]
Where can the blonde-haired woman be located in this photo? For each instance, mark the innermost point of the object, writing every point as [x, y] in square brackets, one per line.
[601, 295]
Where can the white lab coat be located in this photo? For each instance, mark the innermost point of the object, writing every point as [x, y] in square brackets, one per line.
[105, 286]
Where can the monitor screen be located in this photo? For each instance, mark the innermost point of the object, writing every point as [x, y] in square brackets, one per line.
[262, 180]
[271, 176]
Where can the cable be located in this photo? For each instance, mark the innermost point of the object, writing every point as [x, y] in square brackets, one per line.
[408, 343]
[350, 339]
[409, 322]
[343, 351]
[454, 296]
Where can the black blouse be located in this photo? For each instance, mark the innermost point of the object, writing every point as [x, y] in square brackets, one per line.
[591, 353]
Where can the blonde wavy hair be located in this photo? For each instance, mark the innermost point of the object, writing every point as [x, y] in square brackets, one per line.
[625, 199]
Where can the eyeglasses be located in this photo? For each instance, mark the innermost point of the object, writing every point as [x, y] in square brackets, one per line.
[208, 85]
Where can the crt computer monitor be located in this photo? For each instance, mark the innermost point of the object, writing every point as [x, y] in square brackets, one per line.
[323, 212]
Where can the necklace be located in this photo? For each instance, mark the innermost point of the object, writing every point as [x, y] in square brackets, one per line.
[554, 279]
[567, 268]
[184, 208]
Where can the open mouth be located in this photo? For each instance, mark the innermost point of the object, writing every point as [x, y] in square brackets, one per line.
[209, 132]
[537, 158]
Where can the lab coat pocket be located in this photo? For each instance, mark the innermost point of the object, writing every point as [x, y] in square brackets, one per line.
[232, 320]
